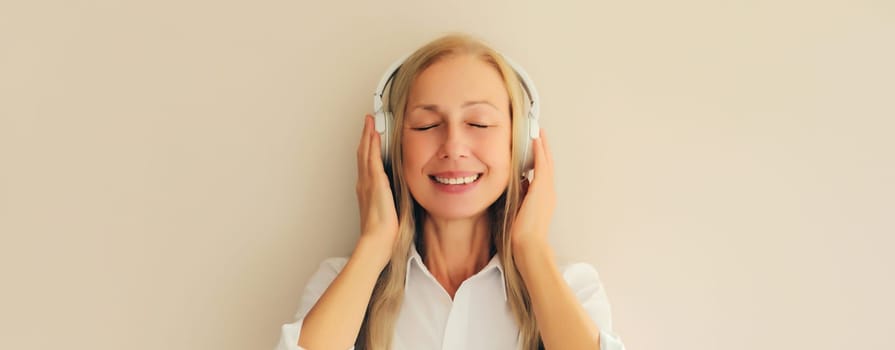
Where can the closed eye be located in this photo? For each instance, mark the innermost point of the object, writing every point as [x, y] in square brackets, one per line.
[425, 127]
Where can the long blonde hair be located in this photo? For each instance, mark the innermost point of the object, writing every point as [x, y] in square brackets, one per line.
[377, 329]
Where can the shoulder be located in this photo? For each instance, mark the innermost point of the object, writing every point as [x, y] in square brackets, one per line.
[582, 277]
[332, 265]
[326, 272]
[584, 281]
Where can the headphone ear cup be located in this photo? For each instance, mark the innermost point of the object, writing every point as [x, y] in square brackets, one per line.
[386, 138]
[381, 125]
[531, 130]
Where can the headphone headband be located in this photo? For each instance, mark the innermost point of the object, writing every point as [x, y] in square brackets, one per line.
[389, 73]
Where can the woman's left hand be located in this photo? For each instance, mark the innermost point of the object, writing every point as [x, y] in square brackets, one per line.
[539, 201]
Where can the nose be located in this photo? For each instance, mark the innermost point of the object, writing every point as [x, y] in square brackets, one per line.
[454, 145]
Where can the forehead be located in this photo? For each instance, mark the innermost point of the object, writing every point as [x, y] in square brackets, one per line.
[455, 80]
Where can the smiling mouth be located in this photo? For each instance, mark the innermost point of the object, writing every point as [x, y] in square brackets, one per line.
[456, 181]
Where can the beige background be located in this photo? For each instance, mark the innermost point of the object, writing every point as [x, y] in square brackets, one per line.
[172, 172]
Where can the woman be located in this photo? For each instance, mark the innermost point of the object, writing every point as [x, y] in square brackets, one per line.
[458, 258]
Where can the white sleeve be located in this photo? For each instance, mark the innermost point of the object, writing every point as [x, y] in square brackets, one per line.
[584, 281]
[318, 283]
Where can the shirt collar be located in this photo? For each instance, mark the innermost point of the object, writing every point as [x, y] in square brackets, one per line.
[493, 264]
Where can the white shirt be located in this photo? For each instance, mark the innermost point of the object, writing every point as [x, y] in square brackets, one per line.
[478, 317]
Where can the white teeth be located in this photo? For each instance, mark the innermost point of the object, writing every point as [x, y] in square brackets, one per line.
[458, 180]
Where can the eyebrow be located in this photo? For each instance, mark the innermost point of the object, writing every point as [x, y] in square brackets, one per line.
[434, 108]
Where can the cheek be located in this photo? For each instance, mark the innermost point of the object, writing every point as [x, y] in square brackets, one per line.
[415, 154]
[497, 153]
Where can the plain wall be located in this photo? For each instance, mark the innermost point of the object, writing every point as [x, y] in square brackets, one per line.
[172, 172]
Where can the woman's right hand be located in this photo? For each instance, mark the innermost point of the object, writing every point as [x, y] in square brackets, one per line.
[378, 217]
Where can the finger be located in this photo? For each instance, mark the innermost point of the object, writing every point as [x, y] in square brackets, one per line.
[363, 148]
[375, 157]
[542, 166]
[547, 154]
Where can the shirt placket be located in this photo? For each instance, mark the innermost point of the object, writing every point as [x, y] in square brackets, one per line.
[456, 332]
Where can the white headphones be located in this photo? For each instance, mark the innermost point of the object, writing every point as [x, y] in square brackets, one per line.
[384, 119]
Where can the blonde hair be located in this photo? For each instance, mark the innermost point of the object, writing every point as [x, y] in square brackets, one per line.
[378, 326]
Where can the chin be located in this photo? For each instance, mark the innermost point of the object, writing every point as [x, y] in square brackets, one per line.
[453, 213]
[446, 208]
[455, 206]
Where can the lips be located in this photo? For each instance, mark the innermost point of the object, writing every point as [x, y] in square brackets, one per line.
[456, 181]
[456, 185]
[455, 174]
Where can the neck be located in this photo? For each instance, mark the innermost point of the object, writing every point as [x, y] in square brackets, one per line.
[456, 249]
